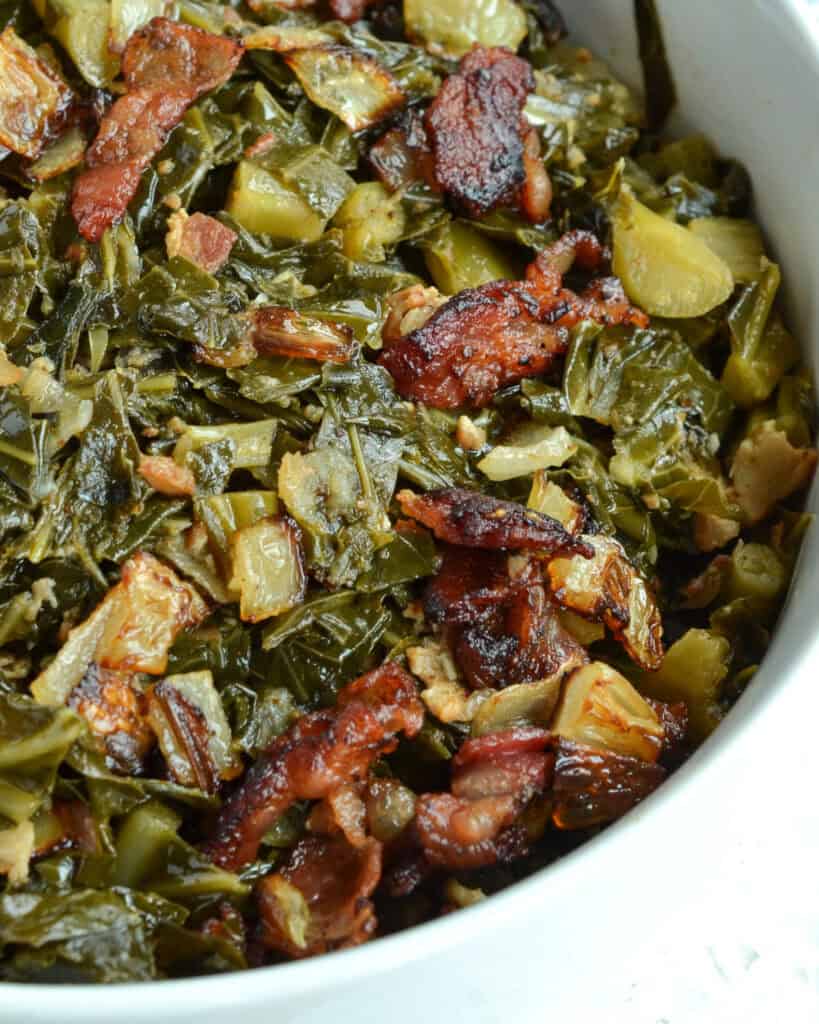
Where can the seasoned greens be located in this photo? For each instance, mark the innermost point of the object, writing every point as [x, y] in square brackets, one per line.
[401, 448]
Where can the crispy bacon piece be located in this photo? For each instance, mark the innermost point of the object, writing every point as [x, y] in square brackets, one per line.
[503, 629]
[477, 342]
[320, 900]
[485, 338]
[494, 779]
[115, 712]
[523, 643]
[603, 300]
[402, 155]
[321, 752]
[165, 475]
[475, 126]
[474, 520]
[468, 584]
[279, 331]
[200, 239]
[167, 53]
[593, 787]
[166, 67]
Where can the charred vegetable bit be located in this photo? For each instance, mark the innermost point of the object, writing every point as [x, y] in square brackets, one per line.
[401, 456]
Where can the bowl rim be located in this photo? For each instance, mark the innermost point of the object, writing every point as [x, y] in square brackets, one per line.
[324, 973]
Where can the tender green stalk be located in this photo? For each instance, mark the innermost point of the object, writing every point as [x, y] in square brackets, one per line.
[141, 840]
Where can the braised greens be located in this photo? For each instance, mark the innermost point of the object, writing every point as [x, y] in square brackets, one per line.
[218, 509]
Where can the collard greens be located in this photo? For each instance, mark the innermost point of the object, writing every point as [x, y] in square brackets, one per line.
[365, 543]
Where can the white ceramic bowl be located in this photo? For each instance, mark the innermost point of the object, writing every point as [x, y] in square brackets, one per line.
[747, 72]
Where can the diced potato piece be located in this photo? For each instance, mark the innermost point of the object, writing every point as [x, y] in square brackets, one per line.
[600, 708]
[268, 568]
[114, 710]
[60, 676]
[767, 468]
[454, 26]
[351, 85]
[372, 220]
[318, 487]
[260, 202]
[128, 16]
[186, 713]
[692, 671]
[132, 629]
[32, 96]
[539, 448]
[665, 269]
[152, 605]
[286, 906]
[738, 243]
[458, 256]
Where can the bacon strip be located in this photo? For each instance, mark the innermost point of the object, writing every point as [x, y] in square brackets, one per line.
[494, 779]
[323, 751]
[486, 338]
[166, 66]
[333, 881]
[474, 520]
[477, 342]
[476, 127]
